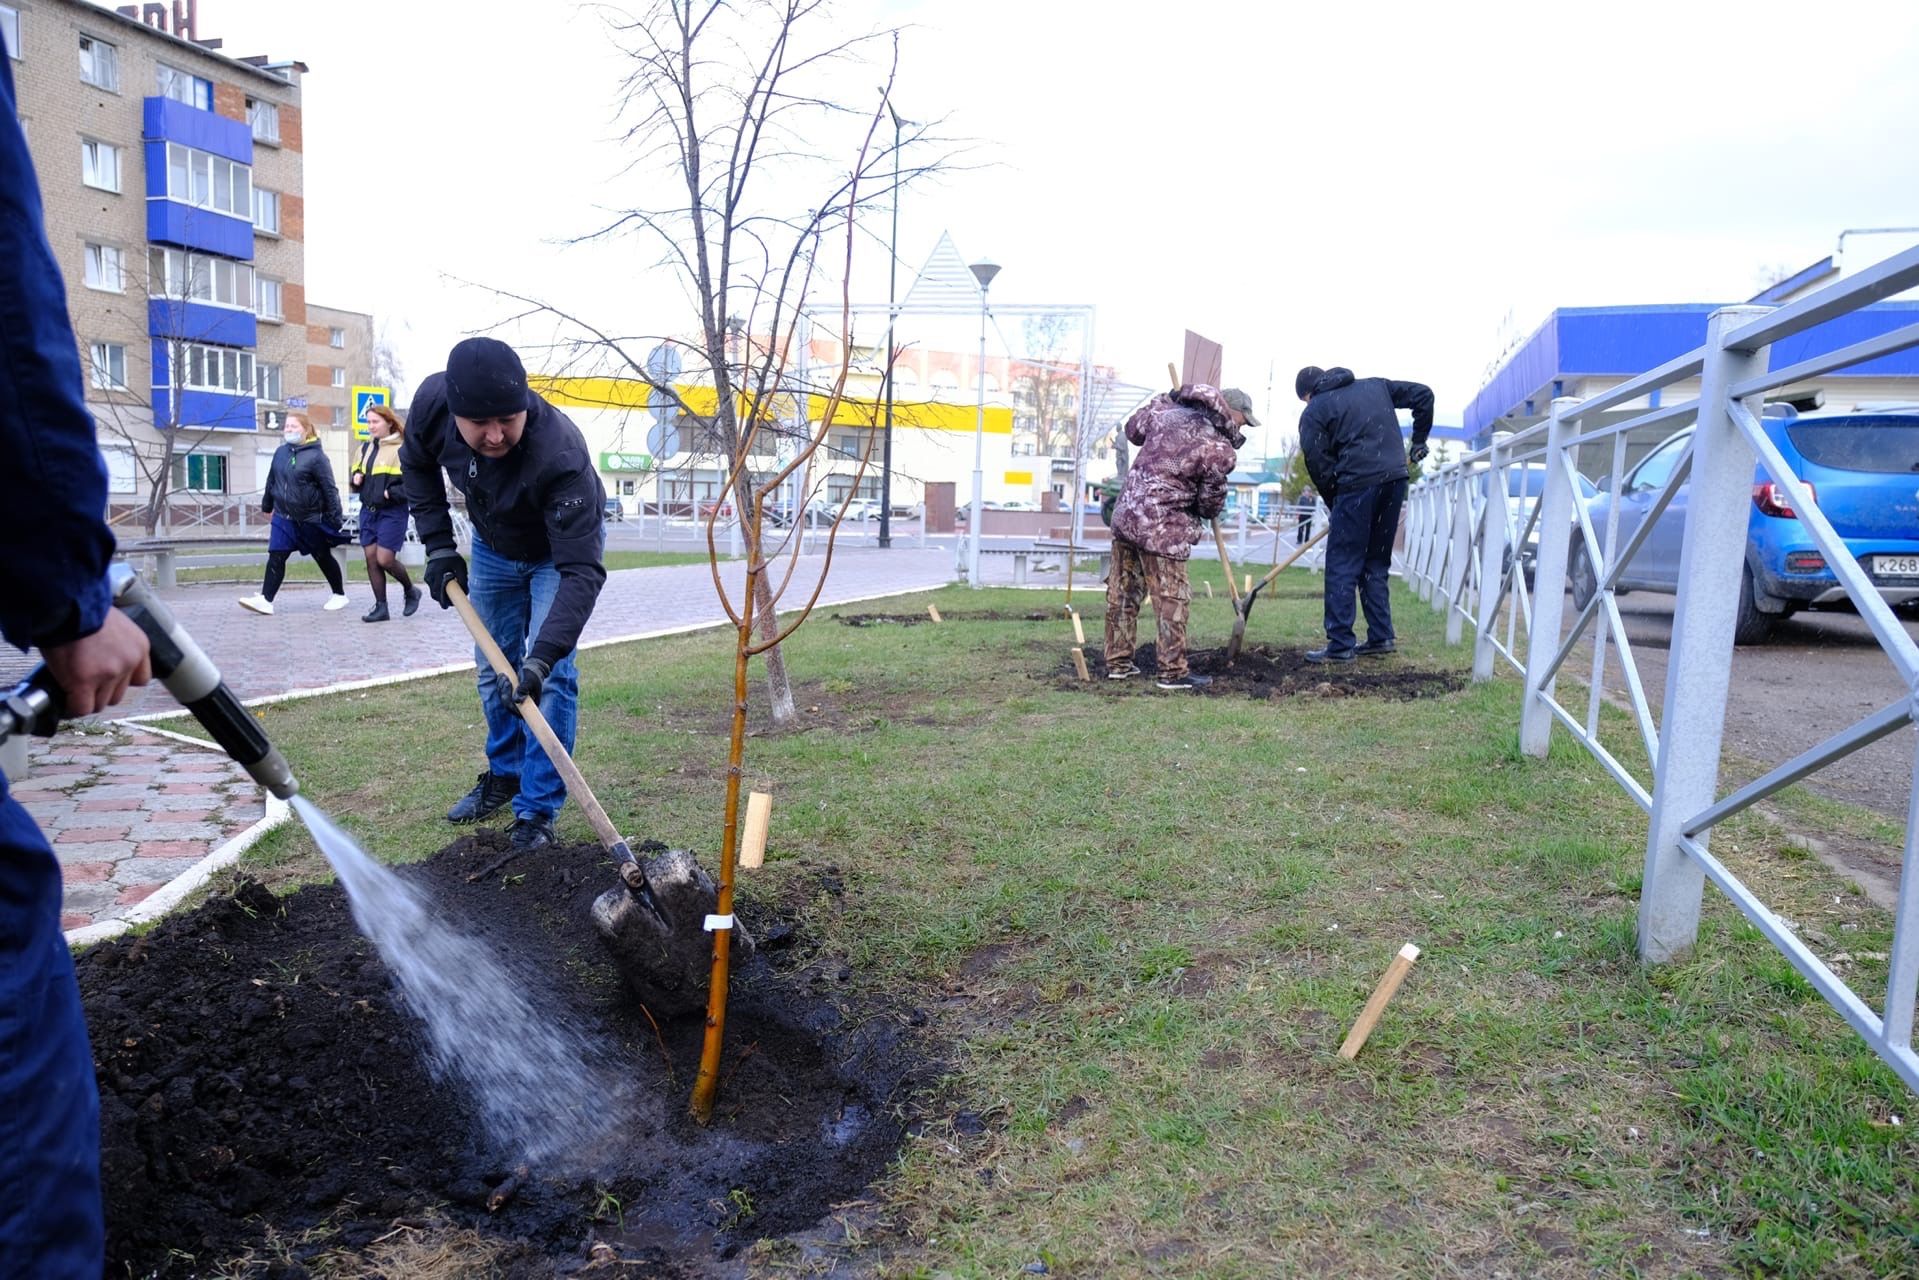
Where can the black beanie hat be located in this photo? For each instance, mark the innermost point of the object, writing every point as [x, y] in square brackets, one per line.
[1303, 384]
[485, 379]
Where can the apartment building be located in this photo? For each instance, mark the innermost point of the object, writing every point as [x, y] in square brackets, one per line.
[339, 357]
[172, 177]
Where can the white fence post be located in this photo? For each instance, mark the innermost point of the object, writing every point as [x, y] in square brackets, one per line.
[1492, 568]
[1549, 580]
[1686, 775]
[1443, 539]
[1459, 579]
[1428, 523]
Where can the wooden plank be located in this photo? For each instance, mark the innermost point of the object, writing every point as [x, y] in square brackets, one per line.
[1079, 632]
[1209, 588]
[759, 817]
[933, 612]
[1205, 360]
[1079, 663]
[1369, 1016]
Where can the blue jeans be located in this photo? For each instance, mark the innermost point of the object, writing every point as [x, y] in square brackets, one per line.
[50, 1218]
[512, 598]
[1359, 551]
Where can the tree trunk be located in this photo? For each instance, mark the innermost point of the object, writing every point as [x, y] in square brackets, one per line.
[779, 690]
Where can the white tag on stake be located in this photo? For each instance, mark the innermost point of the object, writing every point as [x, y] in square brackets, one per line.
[718, 922]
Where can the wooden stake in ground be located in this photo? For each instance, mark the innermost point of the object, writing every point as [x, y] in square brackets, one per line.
[933, 612]
[1369, 1016]
[1079, 664]
[1079, 632]
[1209, 588]
[759, 816]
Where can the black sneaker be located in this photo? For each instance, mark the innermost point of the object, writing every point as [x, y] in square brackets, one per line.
[1188, 681]
[491, 792]
[377, 613]
[1376, 649]
[1121, 671]
[1329, 655]
[530, 833]
[413, 595]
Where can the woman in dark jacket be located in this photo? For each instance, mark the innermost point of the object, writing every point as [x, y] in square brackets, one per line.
[376, 478]
[305, 506]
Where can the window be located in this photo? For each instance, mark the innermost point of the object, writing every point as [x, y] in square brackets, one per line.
[201, 473]
[265, 119]
[99, 64]
[339, 376]
[209, 181]
[109, 365]
[184, 86]
[120, 468]
[1657, 468]
[272, 383]
[106, 268]
[336, 338]
[266, 211]
[10, 30]
[215, 369]
[195, 277]
[100, 165]
[267, 299]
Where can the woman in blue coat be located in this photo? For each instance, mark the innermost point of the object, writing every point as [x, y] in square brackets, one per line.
[305, 506]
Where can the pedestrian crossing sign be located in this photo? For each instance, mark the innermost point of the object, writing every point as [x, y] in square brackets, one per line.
[362, 397]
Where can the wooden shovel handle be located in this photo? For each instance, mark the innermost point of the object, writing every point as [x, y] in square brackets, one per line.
[536, 721]
[1287, 563]
[1226, 563]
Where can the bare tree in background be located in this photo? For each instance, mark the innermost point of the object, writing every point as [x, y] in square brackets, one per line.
[1046, 386]
[742, 103]
[121, 400]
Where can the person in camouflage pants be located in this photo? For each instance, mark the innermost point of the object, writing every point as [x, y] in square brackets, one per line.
[1188, 442]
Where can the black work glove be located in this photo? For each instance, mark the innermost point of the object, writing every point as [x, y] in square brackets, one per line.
[532, 680]
[447, 566]
[1416, 454]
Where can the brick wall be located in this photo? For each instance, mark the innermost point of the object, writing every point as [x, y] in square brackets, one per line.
[230, 100]
[293, 216]
[296, 304]
[291, 137]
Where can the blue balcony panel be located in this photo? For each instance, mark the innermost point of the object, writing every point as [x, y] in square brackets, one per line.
[208, 230]
[169, 121]
[201, 409]
[199, 322]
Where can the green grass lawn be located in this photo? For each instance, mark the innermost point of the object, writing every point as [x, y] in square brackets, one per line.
[301, 569]
[1140, 927]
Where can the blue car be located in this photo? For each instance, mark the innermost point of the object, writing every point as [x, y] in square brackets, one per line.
[1863, 469]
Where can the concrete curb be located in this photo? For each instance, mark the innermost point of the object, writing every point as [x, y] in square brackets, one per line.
[145, 723]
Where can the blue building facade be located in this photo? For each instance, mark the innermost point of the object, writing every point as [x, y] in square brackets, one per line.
[201, 314]
[1576, 343]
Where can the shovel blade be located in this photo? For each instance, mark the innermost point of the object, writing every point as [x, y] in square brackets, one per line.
[664, 952]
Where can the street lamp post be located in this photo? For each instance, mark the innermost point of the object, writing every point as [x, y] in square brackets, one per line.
[984, 273]
[892, 355]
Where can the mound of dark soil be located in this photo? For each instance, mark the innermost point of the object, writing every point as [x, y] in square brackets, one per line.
[1262, 671]
[264, 1095]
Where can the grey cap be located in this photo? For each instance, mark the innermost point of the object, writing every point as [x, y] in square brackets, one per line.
[1237, 399]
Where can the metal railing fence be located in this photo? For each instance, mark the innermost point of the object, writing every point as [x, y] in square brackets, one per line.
[1459, 555]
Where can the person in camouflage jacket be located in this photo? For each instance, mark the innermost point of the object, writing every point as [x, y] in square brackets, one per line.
[1188, 442]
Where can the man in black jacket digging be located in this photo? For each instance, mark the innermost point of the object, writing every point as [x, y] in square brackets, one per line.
[1349, 435]
[535, 503]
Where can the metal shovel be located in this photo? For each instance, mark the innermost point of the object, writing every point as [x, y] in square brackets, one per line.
[1243, 607]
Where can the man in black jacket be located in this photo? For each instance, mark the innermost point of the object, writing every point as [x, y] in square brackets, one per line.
[535, 502]
[1349, 435]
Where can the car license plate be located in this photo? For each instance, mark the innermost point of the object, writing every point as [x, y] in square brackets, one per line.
[1896, 566]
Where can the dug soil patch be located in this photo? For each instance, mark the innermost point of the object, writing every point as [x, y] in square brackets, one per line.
[1262, 671]
[266, 1101]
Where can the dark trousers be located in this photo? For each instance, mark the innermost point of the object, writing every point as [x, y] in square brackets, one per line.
[50, 1225]
[1359, 551]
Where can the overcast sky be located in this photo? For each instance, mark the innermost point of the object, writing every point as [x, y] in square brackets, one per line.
[1393, 187]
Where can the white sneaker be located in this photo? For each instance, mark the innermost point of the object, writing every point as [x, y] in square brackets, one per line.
[259, 604]
[335, 602]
